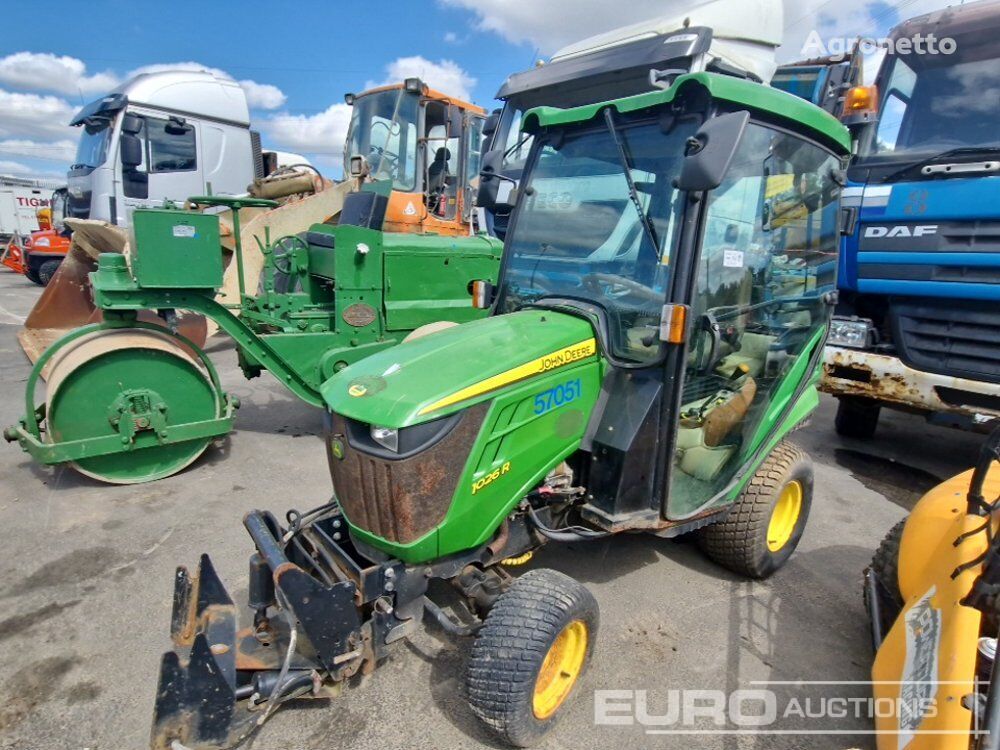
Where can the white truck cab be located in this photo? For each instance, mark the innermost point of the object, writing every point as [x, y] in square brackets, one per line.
[161, 136]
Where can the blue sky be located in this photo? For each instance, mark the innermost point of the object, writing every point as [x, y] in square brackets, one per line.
[297, 59]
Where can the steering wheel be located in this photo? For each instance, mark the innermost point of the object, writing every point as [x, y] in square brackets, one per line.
[388, 162]
[618, 287]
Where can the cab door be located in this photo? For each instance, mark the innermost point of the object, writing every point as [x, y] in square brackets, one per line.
[170, 164]
[768, 253]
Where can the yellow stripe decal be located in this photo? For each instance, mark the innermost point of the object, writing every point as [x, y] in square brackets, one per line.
[560, 357]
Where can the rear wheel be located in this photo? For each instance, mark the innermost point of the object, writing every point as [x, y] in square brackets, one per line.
[856, 417]
[47, 271]
[767, 520]
[529, 655]
[885, 566]
[32, 276]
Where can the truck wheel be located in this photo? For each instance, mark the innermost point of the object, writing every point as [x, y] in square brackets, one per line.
[32, 276]
[47, 270]
[856, 417]
[530, 653]
[885, 566]
[765, 524]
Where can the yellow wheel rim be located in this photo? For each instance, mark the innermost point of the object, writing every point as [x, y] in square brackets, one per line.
[785, 516]
[560, 670]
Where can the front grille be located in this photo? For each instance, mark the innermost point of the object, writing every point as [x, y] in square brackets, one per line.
[400, 499]
[953, 338]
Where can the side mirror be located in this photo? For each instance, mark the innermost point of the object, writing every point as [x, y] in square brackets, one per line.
[132, 124]
[131, 150]
[177, 126]
[491, 123]
[483, 293]
[711, 151]
[489, 180]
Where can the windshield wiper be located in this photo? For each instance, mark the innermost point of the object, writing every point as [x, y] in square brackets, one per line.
[647, 225]
[961, 151]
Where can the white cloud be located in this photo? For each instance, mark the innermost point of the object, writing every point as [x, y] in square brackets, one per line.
[263, 95]
[44, 71]
[35, 116]
[50, 177]
[259, 95]
[62, 151]
[323, 133]
[446, 76]
[450, 37]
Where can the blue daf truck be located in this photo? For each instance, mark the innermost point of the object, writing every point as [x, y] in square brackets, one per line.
[918, 318]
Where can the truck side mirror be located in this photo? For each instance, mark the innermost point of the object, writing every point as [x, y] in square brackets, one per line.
[489, 180]
[711, 151]
[491, 124]
[131, 150]
[132, 124]
[177, 126]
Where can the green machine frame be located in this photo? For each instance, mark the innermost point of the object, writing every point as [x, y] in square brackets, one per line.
[328, 297]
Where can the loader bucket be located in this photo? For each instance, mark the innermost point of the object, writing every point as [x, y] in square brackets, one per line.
[67, 301]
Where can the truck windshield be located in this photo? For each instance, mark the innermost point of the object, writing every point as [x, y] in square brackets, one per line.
[92, 149]
[579, 232]
[384, 130]
[935, 104]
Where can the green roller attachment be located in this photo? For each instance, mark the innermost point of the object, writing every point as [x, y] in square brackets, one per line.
[126, 405]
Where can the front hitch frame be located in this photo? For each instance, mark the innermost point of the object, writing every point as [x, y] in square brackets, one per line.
[214, 683]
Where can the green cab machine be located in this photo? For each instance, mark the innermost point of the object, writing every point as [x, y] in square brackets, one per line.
[653, 338]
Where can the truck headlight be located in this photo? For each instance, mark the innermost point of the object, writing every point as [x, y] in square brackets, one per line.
[387, 437]
[854, 333]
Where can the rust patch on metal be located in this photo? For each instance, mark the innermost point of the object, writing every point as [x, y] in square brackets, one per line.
[401, 500]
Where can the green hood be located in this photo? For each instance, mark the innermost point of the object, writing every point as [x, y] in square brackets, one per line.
[453, 369]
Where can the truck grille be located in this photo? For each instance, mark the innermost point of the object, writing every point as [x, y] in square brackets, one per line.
[949, 338]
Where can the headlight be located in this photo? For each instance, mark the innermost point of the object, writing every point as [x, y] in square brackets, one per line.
[387, 437]
[854, 333]
[42, 242]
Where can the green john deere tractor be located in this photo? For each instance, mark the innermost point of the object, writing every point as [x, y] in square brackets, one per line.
[663, 301]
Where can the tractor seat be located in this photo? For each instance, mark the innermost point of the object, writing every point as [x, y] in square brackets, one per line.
[706, 424]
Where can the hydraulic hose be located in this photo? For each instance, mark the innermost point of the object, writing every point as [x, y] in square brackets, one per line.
[578, 534]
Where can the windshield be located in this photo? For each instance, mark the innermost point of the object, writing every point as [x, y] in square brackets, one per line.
[579, 233]
[937, 103]
[93, 147]
[384, 131]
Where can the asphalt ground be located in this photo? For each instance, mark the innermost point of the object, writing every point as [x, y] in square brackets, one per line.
[87, 573]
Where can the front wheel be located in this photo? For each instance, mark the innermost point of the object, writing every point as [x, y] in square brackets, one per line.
[47, 271]
[766, 522]
[856, 417]
[530, 653]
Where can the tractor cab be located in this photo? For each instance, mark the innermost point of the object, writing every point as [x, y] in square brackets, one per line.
[732, 222]
[424, 144]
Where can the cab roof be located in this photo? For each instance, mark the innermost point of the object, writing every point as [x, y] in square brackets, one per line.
[753, 96]
[428, 93]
